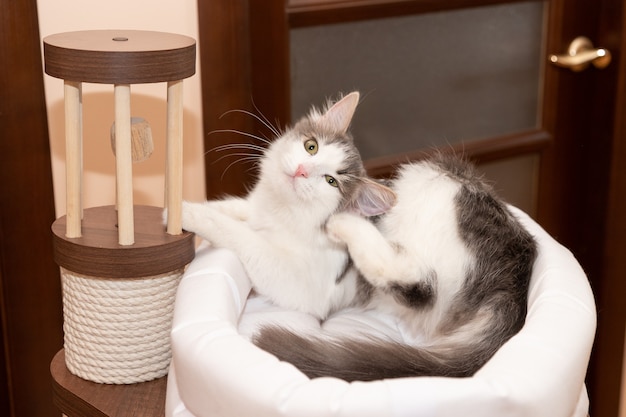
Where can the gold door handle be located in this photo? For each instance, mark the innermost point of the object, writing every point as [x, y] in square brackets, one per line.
[580, 54]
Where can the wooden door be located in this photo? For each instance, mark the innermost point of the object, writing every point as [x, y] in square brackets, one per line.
[575, 142]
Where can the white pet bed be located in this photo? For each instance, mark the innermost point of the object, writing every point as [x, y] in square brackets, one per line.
[216, 371]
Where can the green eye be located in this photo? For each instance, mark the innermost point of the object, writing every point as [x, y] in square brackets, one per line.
[311, 146]
[331, 180]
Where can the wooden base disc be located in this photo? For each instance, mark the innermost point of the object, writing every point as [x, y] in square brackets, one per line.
[98, 253]
[77, 397]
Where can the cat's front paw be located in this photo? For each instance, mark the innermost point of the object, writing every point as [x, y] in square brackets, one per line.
[338, 227]
[189, 216]
[234, 207]
[194, 216]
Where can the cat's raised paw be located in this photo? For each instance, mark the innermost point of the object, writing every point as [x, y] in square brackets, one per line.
[338, 226]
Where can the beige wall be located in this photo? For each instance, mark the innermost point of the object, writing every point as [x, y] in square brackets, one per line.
[147, 101]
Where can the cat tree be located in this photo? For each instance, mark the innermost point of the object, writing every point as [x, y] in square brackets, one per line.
[120, 266]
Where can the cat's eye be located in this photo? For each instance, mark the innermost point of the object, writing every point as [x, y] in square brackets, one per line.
[311, 146]
[332, 181]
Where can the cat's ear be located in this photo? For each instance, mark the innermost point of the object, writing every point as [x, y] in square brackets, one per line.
[339, 115]
[372, 198]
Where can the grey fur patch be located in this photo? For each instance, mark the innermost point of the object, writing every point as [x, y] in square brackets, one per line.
[363, 360]
[417, 295]
[365, 291]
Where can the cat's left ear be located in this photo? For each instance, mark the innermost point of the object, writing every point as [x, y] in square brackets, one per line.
[339, 115]
[372, 198]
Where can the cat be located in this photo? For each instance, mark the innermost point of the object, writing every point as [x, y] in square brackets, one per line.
[435, 247]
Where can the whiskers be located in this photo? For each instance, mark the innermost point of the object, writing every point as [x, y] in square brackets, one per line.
[260, 117]
[245, 152]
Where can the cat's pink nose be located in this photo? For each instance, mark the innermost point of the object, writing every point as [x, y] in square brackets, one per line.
[301, 172]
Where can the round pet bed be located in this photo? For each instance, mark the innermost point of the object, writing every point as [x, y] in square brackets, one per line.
[216, 371]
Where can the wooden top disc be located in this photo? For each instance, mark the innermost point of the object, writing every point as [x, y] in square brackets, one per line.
[119, 56]
[97, 252]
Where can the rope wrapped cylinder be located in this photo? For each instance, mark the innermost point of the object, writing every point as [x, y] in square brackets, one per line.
[117, 330]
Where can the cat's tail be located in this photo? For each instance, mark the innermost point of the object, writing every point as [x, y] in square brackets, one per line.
[371, 359]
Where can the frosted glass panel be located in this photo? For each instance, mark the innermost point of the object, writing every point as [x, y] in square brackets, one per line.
[426, 80]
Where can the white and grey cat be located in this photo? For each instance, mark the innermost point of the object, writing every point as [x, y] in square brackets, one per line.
[434, 247]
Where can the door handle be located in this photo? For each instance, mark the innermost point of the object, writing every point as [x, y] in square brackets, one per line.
[580, 54]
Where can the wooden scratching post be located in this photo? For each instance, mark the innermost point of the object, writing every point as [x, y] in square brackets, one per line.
[120, 266]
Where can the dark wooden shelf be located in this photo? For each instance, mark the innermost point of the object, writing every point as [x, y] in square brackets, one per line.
[76, 397]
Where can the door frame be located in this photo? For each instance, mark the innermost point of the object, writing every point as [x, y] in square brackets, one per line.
[31, 321]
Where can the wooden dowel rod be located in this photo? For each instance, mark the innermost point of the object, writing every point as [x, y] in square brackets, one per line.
[124, 165]
[73, 157]
[174, 157]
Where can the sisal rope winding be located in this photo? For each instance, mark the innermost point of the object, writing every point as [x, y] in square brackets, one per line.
[117, 330]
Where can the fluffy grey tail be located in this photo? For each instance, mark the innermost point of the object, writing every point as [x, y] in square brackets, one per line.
[370, 359]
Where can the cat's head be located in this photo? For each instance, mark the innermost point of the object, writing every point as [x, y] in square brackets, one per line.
[317, 165]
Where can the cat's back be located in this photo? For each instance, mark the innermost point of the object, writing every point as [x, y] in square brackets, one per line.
[425, 201]
[435, 183]
[438, 197]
